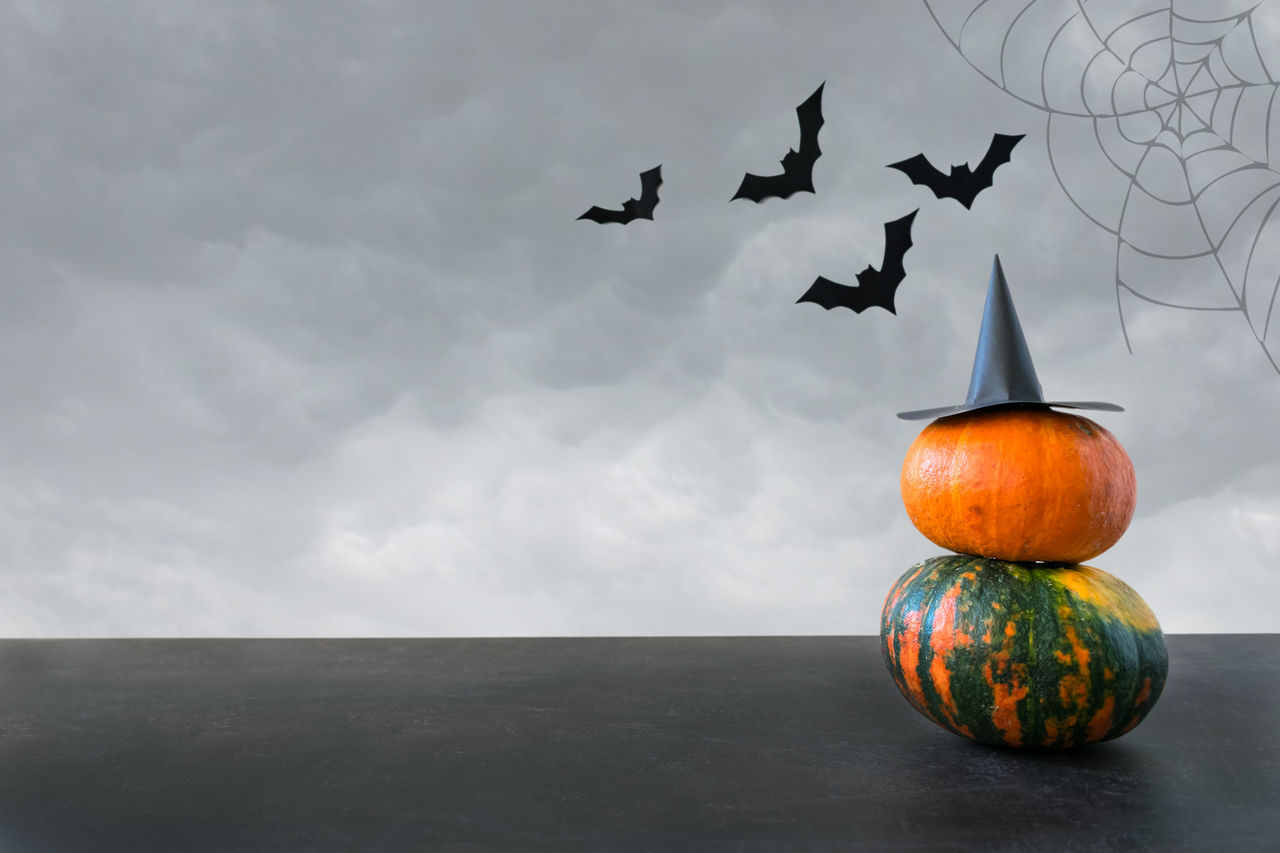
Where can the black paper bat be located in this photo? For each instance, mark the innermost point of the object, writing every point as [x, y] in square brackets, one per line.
[961, 184]
[797, 166]
[632, 208]
[875, 286]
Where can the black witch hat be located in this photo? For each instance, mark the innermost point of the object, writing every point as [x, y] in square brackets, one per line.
[1002, 368]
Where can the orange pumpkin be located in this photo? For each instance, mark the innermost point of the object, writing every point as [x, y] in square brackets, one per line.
[1019, 483]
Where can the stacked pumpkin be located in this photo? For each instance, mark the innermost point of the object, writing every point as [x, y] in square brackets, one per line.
[1012, 640]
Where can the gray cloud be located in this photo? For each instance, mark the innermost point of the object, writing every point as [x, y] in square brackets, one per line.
[301, 335]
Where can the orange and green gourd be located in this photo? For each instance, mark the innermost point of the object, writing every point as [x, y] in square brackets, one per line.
[1044, 655]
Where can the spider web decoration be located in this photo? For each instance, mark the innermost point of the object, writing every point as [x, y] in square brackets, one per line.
[1182, 102]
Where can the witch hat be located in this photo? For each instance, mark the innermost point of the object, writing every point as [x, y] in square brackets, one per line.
[1002, 368]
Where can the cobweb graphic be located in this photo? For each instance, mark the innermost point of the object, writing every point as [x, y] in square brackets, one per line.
[1178, 103]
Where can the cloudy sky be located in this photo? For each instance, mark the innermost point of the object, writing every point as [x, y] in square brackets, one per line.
[301, 335]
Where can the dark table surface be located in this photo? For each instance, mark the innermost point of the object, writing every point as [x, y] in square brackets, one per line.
[776, 743]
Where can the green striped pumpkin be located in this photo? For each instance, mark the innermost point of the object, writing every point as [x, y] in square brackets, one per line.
[1023, 654]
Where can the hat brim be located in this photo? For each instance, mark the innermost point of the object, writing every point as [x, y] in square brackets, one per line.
[943, 411]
